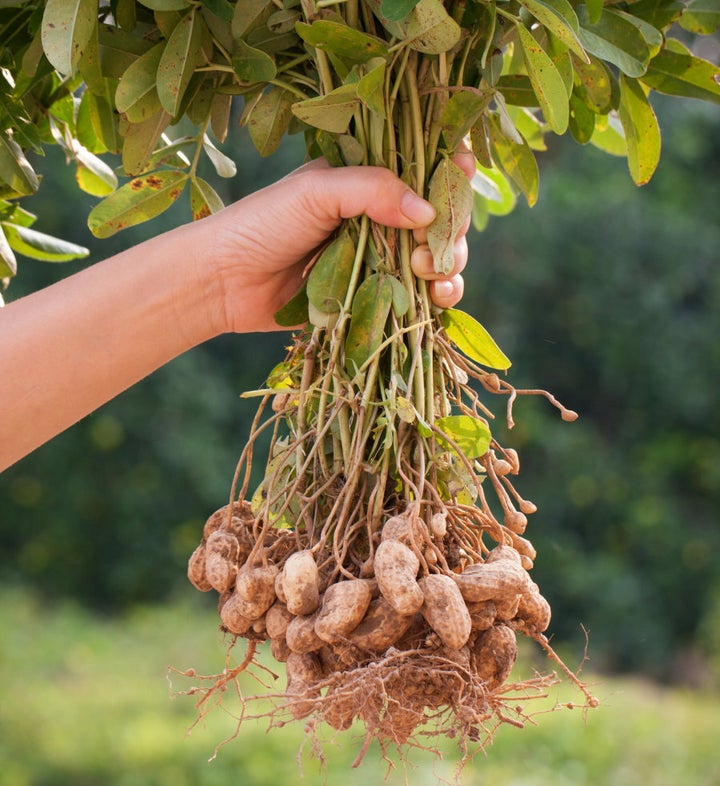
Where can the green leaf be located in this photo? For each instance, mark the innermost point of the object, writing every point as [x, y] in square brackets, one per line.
[140, 142]
[329, 278]
[179, 60]
[395, 10]
[139, 200]
[248, 15]
[38, 245]
[331, 112]
[400, 298]
[221, 8]
[224, 166]
[460, 113]
[677, 72]
[294, 312]
[594, 10]
[371, 87]
[103, 117]
[582, 120]
[431, 29]
[204, 200]
[118, 50]
[370, 310]
[15, 169]
[659, 13]
[518, 161]
[165, 5]
[596, 85]
[472, 339]
[471, 435]
[491, 184]
[701, 17]
[93, 175]
[546, 81]
[253, 65]
[8, 263]
[450, 194]
[609, 135]
[269, 120]
[67, 26]
[340, 39]
[559, 17]
[615, 39]
[220, 115]
[642, 133]
[136, 96]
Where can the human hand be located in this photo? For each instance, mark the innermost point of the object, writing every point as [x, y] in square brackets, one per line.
[257, 248]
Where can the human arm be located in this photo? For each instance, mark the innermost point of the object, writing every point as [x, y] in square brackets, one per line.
[68, 349]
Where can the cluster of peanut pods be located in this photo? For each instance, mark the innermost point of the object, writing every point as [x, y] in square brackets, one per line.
[320, 620]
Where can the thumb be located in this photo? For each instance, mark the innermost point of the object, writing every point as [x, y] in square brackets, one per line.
[344, 192]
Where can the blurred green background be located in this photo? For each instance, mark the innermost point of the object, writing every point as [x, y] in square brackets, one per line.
[606, 295]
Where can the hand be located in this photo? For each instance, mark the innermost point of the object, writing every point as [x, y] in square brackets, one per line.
[258, 247]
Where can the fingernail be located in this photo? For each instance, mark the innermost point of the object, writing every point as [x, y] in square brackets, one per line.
[416, 208]
[444, 290]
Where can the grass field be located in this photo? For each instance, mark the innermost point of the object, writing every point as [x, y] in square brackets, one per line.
[84, 701]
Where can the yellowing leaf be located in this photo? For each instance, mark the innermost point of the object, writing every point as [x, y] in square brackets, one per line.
[642, 132]
[431, 29]
[139, 200]
[136, 95]
[370, 311]
[451, 196]
[518, 161]
[472, 339]
[67, 26]
[179, 60]
[342, 40]
[546, 81]
[472, 436]
[141, 140]
[331, 112]
[204, 200]
[269, 120]
[38, 245]
[329, 278]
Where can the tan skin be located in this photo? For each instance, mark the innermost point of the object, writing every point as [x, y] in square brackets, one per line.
[73, 346]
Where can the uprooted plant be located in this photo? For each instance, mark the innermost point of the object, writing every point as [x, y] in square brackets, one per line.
[383, 553]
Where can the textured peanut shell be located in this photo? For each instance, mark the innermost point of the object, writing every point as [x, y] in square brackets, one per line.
[496, 581]
[279, 650]
[445, 610]
[343, 606]
[396, 567]
[256, 587]
[534, 610]
[494, 654]
[380, 628]
[300, 581]
[507, 608]
[196, 570]
[221, 555]
[404, 528]
[300, 635]
[232, 616]
[482, 614]
[503, 552]
[277, 619]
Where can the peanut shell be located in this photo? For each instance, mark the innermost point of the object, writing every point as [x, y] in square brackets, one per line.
[300, 581]
[343, 606]
[277, 619]
[380, 628]
[256, 587]
[445, 610]
[396, 567]
[232, 617]
[300, 635]
[500, 580]
[494, 654]
[196, 570]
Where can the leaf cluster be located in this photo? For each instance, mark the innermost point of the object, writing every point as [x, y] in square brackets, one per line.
[130, 77]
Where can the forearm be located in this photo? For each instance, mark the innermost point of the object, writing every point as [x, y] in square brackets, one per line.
[68, 349]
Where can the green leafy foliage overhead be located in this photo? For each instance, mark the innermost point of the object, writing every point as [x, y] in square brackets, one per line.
[150, 81]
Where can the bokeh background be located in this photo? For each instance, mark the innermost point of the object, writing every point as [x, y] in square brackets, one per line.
[605, 294]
